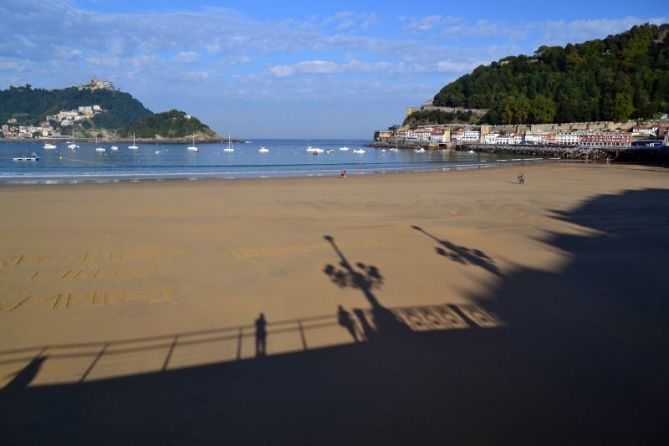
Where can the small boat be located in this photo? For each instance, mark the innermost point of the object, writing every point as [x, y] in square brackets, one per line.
[99, 149]
[344, 149]
[394, 149]
[48, 146]
[133, 146]
[470, 151]
[192, 148]
[419, 150]
[263, 149]
[358, 151]
[113, 148]
[72, 145]
[33, 158]
[314, 150]
[229, 148]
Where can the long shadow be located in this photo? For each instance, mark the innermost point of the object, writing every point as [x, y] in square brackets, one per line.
[26, 375]
[582, 360]
[385, 324]
[461, 254]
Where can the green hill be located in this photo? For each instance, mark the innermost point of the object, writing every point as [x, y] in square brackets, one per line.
[620, 77]
[30, 105]
[170, 124]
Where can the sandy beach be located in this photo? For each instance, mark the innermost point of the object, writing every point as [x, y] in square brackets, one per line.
[501, 305]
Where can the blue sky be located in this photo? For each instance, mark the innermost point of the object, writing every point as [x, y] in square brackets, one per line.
[288, 69]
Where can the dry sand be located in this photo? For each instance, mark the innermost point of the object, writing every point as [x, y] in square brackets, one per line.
[95, 264]
[106, 262]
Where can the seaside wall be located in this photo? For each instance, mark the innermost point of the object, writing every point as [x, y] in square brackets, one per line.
[476, 111]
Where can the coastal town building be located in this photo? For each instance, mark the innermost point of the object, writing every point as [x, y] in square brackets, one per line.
[51, 125]
[466, 136]
[645, 131]
[606, 139]
[509, 139]
[97, 84]
[499, 135]
[567, 139]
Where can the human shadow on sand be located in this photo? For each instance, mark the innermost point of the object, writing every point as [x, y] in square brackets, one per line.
[582, 359]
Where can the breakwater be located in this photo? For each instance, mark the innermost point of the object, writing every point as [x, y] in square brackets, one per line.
[642, 155]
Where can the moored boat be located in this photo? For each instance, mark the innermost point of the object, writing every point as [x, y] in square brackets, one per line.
[34, 157]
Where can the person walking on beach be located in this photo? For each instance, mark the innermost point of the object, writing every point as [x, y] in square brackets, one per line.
[261, 336]
[345, 320]
[521, 178]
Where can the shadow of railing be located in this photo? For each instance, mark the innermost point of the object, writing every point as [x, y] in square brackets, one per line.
[413, 318]
[165, 343]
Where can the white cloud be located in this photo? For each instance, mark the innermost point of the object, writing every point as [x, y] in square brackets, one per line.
[456, 67]
[317, 67]
[282, 70]
[187, 57]
[324, 67]
[349, 20]
[544, 31]
[196, 75]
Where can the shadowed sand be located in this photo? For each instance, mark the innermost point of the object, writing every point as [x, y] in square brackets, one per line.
[486, 312]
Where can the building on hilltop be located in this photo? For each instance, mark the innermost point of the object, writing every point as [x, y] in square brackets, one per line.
[97, 84]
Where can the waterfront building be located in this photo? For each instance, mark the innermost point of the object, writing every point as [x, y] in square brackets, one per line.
[490, 138]
[606, 139]
[466, 136]
[566, 138]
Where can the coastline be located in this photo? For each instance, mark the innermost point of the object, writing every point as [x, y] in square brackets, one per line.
[131, 177]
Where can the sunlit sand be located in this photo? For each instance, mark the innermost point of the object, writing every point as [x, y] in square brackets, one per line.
[116, 279]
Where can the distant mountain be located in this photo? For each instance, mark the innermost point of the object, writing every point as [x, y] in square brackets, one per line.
[31, 106]
[620, 77]
[168, 125]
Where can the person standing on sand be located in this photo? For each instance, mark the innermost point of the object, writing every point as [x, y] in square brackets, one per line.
[261, 336]
[345, 320]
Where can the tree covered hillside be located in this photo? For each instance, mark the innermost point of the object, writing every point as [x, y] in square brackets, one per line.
[621, 77]
[170, 124]
[30, 105]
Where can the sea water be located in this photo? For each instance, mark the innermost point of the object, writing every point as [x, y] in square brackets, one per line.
[172, 161]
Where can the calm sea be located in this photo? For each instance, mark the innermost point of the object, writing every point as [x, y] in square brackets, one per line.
[168, 161]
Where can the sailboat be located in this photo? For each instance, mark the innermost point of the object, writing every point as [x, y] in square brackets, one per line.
[74, 145]
[192, 148]
[133, 146]
[98, 149]
[229, 148]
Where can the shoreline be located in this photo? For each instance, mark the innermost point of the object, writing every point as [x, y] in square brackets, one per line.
[188, 177]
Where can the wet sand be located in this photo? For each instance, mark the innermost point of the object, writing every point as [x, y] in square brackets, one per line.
[127, 281]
